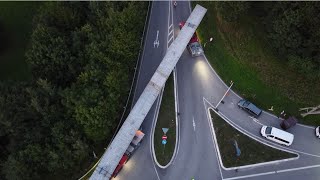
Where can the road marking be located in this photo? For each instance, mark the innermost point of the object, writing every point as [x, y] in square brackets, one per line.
[255, 120]
[142, 56]
[170, 26]
[194, 125]
[170, 40]
[170, 32]
[214, 140]
[274, 172]
[156, 42]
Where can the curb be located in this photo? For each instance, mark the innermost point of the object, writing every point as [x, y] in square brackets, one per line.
[176, 148]
[177, 130]
[144, 45]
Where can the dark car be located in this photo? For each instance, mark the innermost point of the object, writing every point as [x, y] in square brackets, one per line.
[286, 124]
[249, 107]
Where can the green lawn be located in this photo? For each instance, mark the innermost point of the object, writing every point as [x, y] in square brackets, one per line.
[15, 28]
[252, 152]
[239, 52]
[166, 119]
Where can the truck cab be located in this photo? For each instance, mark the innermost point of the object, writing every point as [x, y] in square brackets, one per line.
[194, 46]
[135, 143]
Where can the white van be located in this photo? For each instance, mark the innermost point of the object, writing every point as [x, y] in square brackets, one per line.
[277, 135]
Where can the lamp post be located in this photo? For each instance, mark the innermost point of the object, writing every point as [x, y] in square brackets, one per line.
[211, 39]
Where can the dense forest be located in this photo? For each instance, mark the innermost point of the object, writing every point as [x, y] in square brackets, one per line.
[292, 29]
[82, 57]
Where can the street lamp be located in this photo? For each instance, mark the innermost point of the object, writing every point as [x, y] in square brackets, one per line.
[211, 39]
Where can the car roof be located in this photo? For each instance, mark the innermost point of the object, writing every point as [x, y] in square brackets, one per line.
[254, 108]
[283, 134]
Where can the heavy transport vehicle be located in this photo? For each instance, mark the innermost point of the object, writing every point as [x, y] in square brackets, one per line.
[135, 143]
[194, 46]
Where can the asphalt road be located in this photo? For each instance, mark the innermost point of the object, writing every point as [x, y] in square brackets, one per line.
[199, 88]
[141, 165]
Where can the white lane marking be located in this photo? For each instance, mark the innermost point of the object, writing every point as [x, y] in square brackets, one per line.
[255, 120]
[170, 32]
[153, 127]
[170, 26]
[214, 140]
[175, 74]
[171, 39]
[142, 56]
[251, 175]
[156, 42]
[306, 126]
[274, 172]
[194, 125]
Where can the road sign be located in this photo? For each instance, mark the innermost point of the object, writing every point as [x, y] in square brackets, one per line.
[238, 151]
[164, 142]
[165, 130]
[164, 137]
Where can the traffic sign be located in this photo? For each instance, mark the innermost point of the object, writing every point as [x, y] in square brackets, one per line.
[164, 137]
[165, 130]
[164, 142]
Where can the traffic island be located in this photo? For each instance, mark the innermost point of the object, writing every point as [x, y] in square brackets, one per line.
[164, 142]
[237, 149]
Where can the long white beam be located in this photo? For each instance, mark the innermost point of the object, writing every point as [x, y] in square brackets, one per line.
[117, 148]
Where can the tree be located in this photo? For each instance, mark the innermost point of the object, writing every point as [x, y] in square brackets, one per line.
[232, 10]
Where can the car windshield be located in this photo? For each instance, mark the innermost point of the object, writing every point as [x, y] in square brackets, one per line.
[268, 130]
[246, 103]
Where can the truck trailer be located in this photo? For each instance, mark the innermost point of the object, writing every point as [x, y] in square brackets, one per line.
[135, 143]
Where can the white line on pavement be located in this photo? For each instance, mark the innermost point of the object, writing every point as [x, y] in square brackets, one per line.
[214, 141]
[194, 125]
[156, 42]
[274, 172]
[170, 31]
[142, 56]
[171, 39]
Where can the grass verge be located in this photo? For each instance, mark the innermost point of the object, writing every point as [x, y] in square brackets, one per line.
[166, 119]
[252, 152]
[241, 53]
[15, 30]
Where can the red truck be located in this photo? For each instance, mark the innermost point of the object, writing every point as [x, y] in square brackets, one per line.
[135, 143]
[194, 45]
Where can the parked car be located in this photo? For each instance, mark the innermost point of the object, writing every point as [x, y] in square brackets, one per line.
[318, 131]
[249, 107]
[288, 123]
[277, 135]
